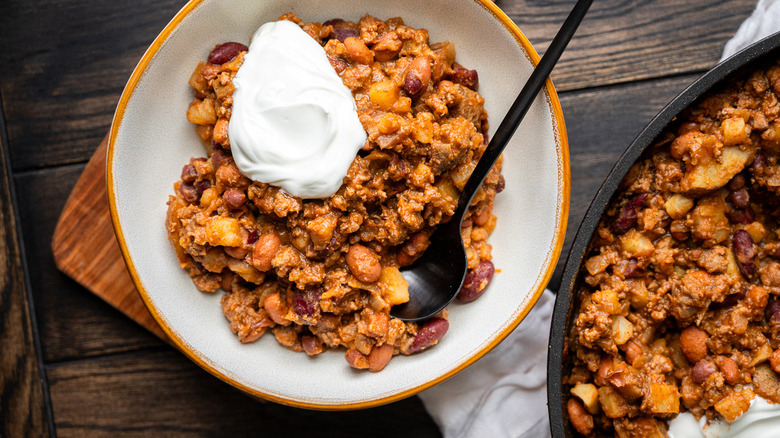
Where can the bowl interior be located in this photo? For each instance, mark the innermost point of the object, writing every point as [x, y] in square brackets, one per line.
[557, 365]
[151, 140]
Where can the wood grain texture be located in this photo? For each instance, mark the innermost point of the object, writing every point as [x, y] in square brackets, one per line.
[74, 323]
[629, 40]
[23, 410]
[61, 85]
[100, 397]
[85, 248]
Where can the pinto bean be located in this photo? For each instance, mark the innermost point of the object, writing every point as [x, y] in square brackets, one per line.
[702, 370]
[264, 251]
[745, 251]
[729, 369]
[311, 345]
[477, 281]
[356, 359]
[463, 76]
[580, 418]
[276, 308]
[693, 343]
[363, 263]
[225, 52]
[429, 334]
[379, 357]
[356, 51]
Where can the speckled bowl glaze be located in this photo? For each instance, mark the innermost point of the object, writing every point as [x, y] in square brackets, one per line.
[151, 140]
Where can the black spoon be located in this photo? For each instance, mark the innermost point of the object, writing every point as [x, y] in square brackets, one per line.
[437, 276]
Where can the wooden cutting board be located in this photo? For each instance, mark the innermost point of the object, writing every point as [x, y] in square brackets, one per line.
[85, 247]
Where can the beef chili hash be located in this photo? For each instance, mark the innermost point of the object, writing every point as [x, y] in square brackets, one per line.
[678, 305]
[322, 274]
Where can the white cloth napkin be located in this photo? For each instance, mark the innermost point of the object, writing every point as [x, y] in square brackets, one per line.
[764, 21]
[504, 394]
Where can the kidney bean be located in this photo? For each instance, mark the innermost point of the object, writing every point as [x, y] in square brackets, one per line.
[189, 192]
[501, 185]
[306, 303]
[252, 237]
[463, 76]
[429, 334]
[741, 216]
[234, 198]
[739, 198]
[202, 186]
[188, 173]
[418, 76]
[745, 251]
[759, 162]
[737, 182]
[702, 370]
[264, 251]
[342, 32]
[225, 52]
[627, 217]
[693, 343]
[363, 263]
[379, 357]
[218, 157]
[476, 281]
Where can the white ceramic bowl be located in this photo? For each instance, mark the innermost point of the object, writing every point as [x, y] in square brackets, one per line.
[151, 140]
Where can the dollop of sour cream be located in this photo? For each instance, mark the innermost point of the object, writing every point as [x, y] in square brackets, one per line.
[293, 124]
[762, 420]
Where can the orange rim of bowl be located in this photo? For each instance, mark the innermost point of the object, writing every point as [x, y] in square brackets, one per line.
[564, 172]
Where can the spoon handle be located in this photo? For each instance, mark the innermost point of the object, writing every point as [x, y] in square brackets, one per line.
[524, 100]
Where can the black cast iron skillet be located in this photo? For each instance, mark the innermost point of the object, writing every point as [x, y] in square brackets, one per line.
[556, 363]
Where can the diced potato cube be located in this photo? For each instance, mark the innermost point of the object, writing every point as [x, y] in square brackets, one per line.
[636, 244]
[677, 205]
[607, 300]
[661, 399]
[384, 94]
[756, 231]
[589, 394]
[716, 173]
[733, 130]
[763, 353]
[613, 404]
[598, 263]
[393, 286]
[622, 329]
[202, 112]
[223, 231]
[644, 427]
[734, 405]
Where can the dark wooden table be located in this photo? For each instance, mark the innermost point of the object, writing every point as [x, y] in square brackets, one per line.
[71, 365]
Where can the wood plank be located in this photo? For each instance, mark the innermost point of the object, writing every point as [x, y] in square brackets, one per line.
[625, 41]
[73, 322]
[85, 247]
[161, 393]
[65, 64]
[23, 410]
